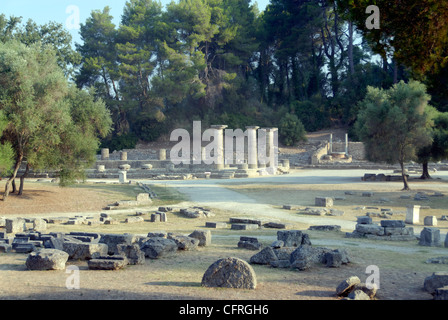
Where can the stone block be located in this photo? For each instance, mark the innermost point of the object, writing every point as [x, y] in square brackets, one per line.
[15, 225]
[143, 197]
[158, 247]
[132, 253]
[155, 217]
[370, 229]
[430, 237]
[430, 221]
[392, 223]
[249, 243]
[412, 214]
[84, 251]
[264, 257]
[204, 237]
[435, 281]
[47, 259]
[441, 293]
[364, 220]
[107, 263]
[323, 202]
[216, 225]
[134, 220]
[244, 226]
[112, 240]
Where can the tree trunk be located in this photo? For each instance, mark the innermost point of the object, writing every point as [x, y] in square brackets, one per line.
[425, 173]
[13, 176]
[14, 189]
[22, 179]
[350, 48]
[405, 178]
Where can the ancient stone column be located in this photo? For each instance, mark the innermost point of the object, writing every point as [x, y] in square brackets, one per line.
[272, 147]
[252, 147]
[105, 154]
[331, 143]
[219, 136]
[123, 155]
[162, 154]
[346, 144]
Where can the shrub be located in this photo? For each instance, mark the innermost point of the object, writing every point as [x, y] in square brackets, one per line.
[291, 130]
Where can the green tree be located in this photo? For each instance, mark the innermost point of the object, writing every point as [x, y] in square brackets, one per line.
[46, 129]
[51, 33]
[438, 149]
[291, 130]
[100, 65]
[393, 124]
[412, 32]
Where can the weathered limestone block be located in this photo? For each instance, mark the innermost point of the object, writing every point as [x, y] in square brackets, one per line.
[132, 252]
[230, 273]
[184, 242]
[134, 220]
[435, 281]
[346, 286]
[84, 250]
[441, 293]
[430, 237]
[306, 256]
[430, 221]
[323, 202]
[292, 238]
[47, 259]
[107, 263]
[158, 247]
[250, 243]
[370, 229]
[265, 256]
[204, 237]
[14, 225]
[112, 240]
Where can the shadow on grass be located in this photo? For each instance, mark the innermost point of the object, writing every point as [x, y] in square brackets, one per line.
[174, 283]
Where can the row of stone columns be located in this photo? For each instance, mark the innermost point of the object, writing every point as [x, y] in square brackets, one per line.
[268, 149]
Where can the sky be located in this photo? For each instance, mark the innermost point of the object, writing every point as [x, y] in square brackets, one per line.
[69, 12]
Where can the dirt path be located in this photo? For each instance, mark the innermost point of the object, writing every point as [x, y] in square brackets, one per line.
[214, 194]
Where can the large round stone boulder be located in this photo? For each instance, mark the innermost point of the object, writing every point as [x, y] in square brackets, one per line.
[230, 273]
[47, 259]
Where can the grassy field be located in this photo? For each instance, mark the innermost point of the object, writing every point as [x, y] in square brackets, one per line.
[402, 264]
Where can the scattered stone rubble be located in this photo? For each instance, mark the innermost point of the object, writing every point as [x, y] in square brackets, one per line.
[353, 289]
[394, 230]
[102, 251]
[293, 249]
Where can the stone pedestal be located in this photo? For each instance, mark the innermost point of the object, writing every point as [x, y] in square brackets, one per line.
[412, 214]
[123, 155]
[122, 177]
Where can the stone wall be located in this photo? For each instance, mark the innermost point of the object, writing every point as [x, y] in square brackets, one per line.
[355, 149]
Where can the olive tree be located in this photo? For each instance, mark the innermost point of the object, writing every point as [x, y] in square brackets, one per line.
[393, 124]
